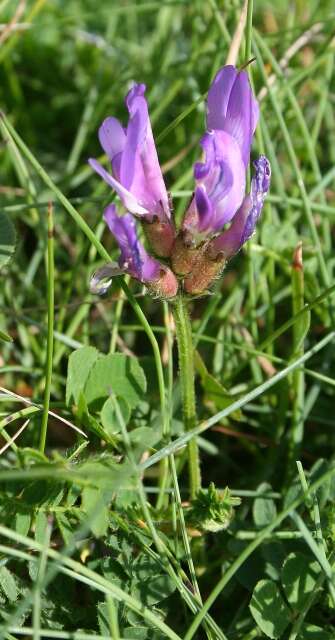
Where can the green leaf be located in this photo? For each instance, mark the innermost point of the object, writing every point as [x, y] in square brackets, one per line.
[80, 364]
[5, 337]
[90, 422]
[103, 618]
[107, 474]
[215, 393]
[311, 632]
[141, 633]
[153, 590]
[8, 584]
[108, 415]
[144, 438]
[299, 575]
[264, 509]
[22, 522]
[274, 554]
[118, 374]
[7, 239]
[40, 526]
[65, 527]
[93, 503]
[269, 609]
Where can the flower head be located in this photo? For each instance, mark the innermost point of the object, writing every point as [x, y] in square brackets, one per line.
[199, 251]
[136, 174]
[232, 114]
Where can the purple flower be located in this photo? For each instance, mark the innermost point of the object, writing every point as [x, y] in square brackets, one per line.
[244, 222]
[199, 251]
[137, 176]
[232, 114]
[133, 259]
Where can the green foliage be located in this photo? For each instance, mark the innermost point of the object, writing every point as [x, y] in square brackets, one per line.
[8, 584]
[117, 374]
[269, 603]
[121, 528]
[79, 367]
[97, 376]
[212, 510]
[264, 509]
[269, 609]
[299, 577]
[7, 239]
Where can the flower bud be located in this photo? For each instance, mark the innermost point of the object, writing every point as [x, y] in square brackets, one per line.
[205, 270]
[183, 256]
[166, 286]
[160, 235]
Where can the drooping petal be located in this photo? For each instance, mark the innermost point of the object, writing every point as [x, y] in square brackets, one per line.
[128, 199]
[133, 259]
[218, 96]
[102, 278]
[244, 222]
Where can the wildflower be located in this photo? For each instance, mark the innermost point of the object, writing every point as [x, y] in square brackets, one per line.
[219, 196]
[137, 177]
[133, 259]
[199, 251]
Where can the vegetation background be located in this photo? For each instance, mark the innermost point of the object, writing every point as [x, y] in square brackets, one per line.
[90, 547]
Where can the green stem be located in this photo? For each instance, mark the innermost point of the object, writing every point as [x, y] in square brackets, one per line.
[186, 371]
[50, 333]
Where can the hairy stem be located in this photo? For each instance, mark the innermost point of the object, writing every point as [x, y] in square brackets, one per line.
[186, 371]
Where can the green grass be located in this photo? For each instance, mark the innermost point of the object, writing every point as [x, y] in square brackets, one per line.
[97, 536]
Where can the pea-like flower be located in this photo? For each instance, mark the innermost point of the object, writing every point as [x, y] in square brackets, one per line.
[137, 176]
[198, 252]
[133, 260]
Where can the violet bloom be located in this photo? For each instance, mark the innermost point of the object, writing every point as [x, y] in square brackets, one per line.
[136, 175]
[133, 259]
[219, 196]
[232, 114]
[202, 247]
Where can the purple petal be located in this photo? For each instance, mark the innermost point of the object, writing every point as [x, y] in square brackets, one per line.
[141, 142]
[225, 181]
[204, 208]
[245, 220]
[231, 107]
[133, 259]
[202, 169]
[221, 184]
[127, 198]
[260, 185]
[242, 114]
[136, 132]
[218, 96]
[112, 139]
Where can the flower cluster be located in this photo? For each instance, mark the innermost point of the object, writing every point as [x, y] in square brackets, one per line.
[193, 256]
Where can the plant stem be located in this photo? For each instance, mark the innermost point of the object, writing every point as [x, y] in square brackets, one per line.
[50, 333]
[186, 371]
